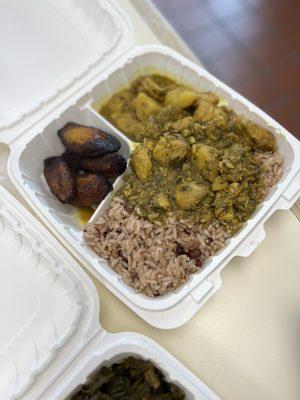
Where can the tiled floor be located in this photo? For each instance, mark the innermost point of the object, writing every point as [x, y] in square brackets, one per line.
[252, 45]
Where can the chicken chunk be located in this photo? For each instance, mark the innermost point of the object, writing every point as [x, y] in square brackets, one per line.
[181, 98]
[162, 201]
[128, 125]
[189, 195]
[145, 106]
[153, 89]
[170, 149]
[223, 207]
[184, 126]
[205, 160]
[204, 112]
[254, 135]
[117, 104]
[214, 117]
[259, 138]
[219, 184]
[209, 97]
[141, 162]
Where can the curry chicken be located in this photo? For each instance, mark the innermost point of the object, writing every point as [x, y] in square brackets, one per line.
[194, 158]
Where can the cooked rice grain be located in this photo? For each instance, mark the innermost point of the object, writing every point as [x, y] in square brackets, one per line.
[146, 255]
[272, 165]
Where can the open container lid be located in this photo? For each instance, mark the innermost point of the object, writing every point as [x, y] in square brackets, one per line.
[48, 306]
[52, 48]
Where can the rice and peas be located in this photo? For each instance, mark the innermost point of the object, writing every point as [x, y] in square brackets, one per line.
[173, 212]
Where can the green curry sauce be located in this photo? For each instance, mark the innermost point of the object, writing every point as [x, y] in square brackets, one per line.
[195, 158]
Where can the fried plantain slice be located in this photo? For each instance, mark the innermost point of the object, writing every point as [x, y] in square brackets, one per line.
[60, 179]
[72, 159]
[110, 165]
[90, 189]
[87, 140]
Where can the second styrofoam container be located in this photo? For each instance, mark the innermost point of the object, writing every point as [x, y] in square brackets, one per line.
[26, 170]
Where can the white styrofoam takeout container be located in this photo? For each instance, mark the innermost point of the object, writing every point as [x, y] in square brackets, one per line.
[50, 337]
[31, 142]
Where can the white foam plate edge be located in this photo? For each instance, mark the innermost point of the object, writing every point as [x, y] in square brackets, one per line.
[161, 313]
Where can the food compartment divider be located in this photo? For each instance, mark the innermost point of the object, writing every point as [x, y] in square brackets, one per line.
[173, 309]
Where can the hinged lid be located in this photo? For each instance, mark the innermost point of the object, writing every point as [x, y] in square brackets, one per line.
[51, 49]
[47, 304]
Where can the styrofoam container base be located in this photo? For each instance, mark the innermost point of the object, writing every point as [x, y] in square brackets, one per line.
[25, 168]
[50, 337]
[115, 347]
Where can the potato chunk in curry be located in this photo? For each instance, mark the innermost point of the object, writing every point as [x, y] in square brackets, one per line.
[189, 195]
[141, 162]
[205, 160]
[170, 149]
[145, 106]
[181, 98]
